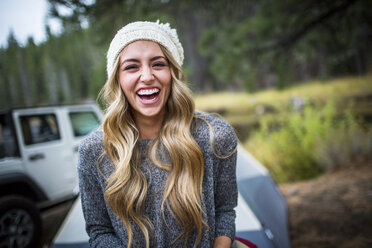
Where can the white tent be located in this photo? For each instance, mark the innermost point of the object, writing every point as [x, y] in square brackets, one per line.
[258, 194]
[261, 214]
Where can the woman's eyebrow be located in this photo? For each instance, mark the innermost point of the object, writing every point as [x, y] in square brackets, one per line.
[138, 61]
[157, 57]
[130, 60]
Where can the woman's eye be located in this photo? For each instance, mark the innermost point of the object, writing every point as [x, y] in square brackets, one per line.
[159, 64]
[129, 67]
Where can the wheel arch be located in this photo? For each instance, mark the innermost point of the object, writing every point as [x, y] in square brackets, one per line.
[20, 184]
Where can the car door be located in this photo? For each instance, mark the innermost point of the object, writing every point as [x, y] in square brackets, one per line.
[82, 120]
[44, 150]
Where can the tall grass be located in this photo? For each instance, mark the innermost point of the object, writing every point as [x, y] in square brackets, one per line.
[321, 90]
[350, 141]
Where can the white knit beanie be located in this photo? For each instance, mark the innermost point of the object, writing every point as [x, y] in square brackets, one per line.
[153, 31]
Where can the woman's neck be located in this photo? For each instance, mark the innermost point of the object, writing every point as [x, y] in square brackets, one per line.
[149, 127]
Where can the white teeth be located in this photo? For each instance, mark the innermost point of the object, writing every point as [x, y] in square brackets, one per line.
[147, 91]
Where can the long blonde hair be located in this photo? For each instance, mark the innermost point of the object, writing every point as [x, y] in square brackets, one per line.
[127, 186]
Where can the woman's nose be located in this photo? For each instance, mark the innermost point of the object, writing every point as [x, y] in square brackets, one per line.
[146, 74]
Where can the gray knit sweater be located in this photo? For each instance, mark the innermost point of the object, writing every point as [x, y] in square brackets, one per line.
[219, 193]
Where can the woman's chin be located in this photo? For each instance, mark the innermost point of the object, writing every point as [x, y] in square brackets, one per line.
[151, 113]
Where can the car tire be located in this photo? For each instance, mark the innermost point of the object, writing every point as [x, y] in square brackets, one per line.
[20, 222]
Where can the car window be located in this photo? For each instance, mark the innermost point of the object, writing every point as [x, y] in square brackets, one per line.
[83, 122]
[8, 142]
[39, 128]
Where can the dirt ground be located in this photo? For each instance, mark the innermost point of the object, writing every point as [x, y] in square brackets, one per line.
[334, 210]
[52, 219]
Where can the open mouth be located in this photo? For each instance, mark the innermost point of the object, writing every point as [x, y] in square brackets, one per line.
[148, 95]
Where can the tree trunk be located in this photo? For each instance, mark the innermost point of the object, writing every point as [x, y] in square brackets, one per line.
[65, 86]
[191, 31]
[12, 91]
[25, 85]
[51, 82]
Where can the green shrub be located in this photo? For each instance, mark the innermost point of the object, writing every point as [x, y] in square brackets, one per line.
[304, 143]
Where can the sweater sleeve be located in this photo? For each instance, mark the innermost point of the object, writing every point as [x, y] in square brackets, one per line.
[226, 193]
[98, 223]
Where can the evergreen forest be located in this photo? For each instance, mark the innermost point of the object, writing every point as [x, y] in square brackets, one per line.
[235, 45]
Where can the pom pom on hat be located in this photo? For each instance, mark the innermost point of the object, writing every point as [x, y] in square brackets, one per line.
[153, 31]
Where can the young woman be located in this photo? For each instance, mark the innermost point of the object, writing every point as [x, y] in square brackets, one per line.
[159, 173]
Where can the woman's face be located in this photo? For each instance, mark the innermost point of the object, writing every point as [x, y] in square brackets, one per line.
[145, 78]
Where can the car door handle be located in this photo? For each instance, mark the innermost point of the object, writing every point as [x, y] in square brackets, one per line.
[37, 156]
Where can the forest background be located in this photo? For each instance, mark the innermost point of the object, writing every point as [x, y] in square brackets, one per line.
[271, 52]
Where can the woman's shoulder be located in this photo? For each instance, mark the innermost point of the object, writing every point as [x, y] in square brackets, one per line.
[223, 134]
[213, 119]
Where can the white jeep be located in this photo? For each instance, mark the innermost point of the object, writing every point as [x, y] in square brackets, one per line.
[38, 159]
